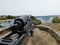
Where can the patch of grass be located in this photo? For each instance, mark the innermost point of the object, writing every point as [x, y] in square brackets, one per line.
[55, 26]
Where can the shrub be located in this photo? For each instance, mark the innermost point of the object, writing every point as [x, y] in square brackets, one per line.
[35, 20]
[56, 20]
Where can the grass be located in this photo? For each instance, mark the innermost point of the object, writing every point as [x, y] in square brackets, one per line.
[2, 20]
[5, 20]
[55, 26]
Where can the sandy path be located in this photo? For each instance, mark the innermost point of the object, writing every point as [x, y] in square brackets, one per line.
[40, 38]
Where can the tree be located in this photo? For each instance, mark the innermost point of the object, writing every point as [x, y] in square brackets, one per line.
[35, 20]
[56, 20]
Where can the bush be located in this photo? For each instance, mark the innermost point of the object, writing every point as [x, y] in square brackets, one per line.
[56, 20]
[35, 21]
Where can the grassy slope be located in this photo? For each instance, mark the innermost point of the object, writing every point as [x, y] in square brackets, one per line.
[55, 26]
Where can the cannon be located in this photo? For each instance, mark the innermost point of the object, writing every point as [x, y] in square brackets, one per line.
[22, 26]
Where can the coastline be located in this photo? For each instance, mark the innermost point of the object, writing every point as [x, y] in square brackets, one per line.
[1, 21]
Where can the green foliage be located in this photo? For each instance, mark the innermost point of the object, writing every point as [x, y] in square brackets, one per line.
[56, 20]
[35, 21]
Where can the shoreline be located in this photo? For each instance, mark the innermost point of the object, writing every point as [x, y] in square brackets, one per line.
[1, 21]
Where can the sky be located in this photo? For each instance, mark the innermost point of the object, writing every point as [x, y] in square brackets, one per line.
[30, 7]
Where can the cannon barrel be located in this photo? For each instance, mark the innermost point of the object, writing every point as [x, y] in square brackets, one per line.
[20, 22]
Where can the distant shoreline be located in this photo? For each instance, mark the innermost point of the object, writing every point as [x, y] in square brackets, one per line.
[1, 21]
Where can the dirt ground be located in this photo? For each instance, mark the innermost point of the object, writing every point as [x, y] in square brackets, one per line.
[40, 38]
